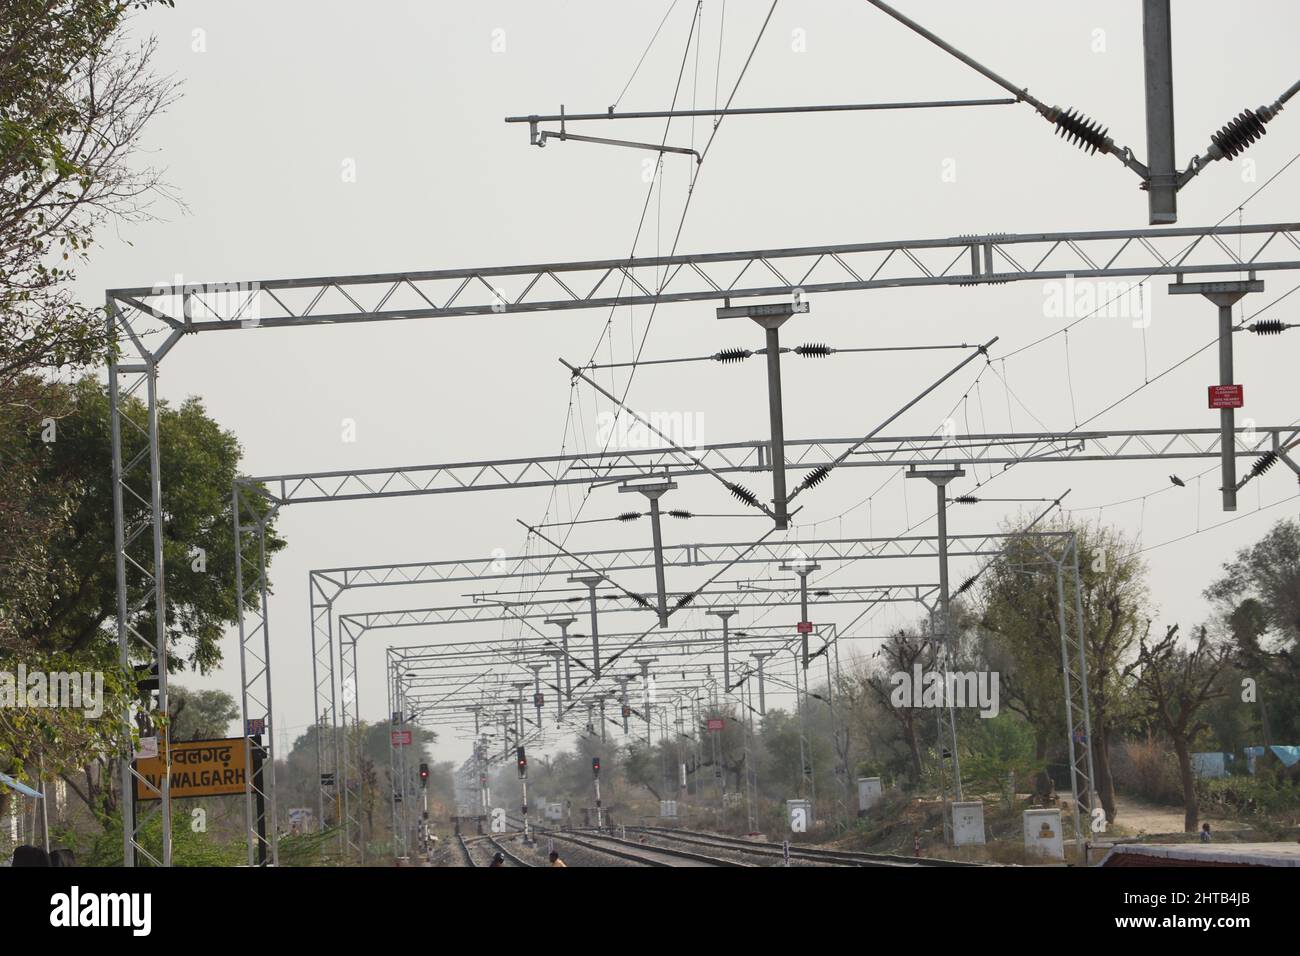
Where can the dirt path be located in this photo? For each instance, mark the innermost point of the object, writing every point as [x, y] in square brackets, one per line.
[1137, 816]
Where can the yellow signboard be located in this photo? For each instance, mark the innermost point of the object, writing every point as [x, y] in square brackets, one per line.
[200, 768]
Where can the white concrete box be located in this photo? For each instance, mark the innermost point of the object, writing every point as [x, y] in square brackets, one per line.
[968, 823]
[1043, 833]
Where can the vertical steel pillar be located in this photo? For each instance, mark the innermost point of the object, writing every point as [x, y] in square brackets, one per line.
[322, 593]
[751, 772]
[653, 491]
[726, 613]
[802, 568]
[771, 317]
[1224, 295]
[537, 691]
[563, 624]
[1093, 799]
[646, 696]
[622, 684]
[138, 552]
[1157, 61]
[591, 580]
[761, 656]
[940, 480]
[559, 687]
[1078, 793]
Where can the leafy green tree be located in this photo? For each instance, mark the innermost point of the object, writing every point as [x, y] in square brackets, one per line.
[69, 624]
[1020, 623]
[1258, 596]
[200, 460]
[994, 747]
[201, 714]
[643, 768]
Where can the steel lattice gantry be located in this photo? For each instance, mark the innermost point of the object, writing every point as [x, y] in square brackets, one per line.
[328, 585]
[134, 314]
[352, 627]
[451, 682]
[1004, 449]
[595, 284]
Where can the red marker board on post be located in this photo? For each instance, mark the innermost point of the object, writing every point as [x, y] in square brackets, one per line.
[1226, 396]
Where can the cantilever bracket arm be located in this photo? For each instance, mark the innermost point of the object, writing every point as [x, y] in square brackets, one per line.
[545, 134]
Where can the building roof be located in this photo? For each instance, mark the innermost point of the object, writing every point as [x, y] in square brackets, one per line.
[1203, 854]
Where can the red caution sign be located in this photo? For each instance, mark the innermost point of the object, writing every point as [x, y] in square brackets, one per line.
[716, 723]
[401, 738]
[1226, 396]
[805, 627]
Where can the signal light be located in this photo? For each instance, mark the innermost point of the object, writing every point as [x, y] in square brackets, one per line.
[424, 774]
[595, 766]
[522, 760]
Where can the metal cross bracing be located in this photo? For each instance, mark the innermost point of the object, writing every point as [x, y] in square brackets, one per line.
[992, 258]
[588, 468]
[133, 314]
[444, 668]
[353, 626]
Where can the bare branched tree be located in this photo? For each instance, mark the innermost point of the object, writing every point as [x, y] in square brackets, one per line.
[1177, 683]
[77, 95]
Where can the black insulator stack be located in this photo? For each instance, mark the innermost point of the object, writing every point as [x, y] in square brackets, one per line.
[685, 599]
[821, 594]
[732, 355]
[1240, 132]
[628, 516]
[1079, 130]
[965, 585]
[743, 494]
[675, 513]
[575, 600]
[965, 500]
[1268, 327]
[815, 477]
[1263, 463]
[641, 599]
[813, 350]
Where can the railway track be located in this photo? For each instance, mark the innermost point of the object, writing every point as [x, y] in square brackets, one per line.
[768, 849]
[479, 850]
[466, 856]
[639, 852]
[512, 858]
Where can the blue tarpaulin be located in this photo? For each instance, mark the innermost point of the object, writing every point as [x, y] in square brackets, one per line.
[13, 784]
[1287, 754]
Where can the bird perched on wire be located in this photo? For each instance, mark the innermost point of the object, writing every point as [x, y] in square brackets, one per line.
[1178, 481]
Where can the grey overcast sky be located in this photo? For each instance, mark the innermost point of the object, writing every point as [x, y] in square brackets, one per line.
[284, 100]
